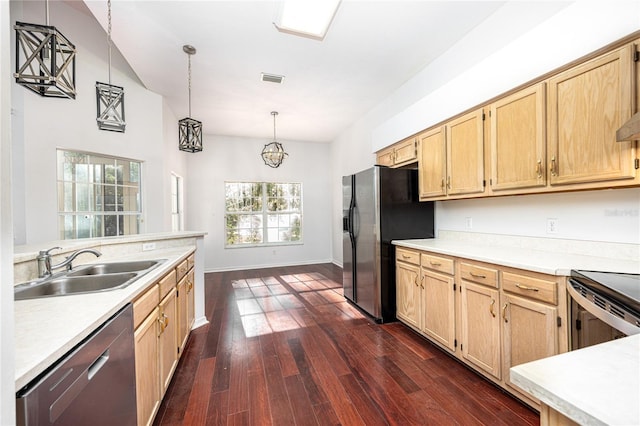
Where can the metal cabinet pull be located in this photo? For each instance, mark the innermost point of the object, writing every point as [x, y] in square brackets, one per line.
[421, 282]
[448, 182]
[435, 263]
[524, 287]
[406, 256]
[416, 280]
[164, 322]
[491, 311]
[477, 275]
[552, 168]
[539, 169]
[504, 313]
[442, 184]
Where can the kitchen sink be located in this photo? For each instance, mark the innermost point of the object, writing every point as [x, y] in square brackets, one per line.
[86, 279]
[112, 268]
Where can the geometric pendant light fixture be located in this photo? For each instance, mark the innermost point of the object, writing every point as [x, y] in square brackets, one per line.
[45, 60]
[273, 153]
[189, 130]
[110, 98]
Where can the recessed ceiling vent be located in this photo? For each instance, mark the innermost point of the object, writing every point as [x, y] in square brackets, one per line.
[272, 78]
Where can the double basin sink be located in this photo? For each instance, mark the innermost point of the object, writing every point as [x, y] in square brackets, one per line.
[90, 278]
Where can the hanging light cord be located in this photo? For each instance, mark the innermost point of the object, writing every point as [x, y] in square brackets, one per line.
[109, 36]
[274, 125]
[46, 12]
[189, 85]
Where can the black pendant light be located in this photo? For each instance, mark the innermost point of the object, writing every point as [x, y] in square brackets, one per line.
[189, 130]
[45, 60]
[273, 153]
[110, 98]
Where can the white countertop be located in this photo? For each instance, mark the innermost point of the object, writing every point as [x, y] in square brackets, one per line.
[597, 385]
[537, 260]
[47, 328]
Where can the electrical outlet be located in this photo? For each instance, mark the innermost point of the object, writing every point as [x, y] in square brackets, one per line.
[552, 226]
[148, 246]
[468, 222]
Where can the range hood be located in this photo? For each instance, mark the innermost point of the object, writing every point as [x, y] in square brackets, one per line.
[629, 130]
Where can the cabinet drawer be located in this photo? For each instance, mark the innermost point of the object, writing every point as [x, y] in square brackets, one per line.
[144, 304]
[479, 274]
[408, 256]
[167, 283]
[181, 269]
[530, 287]
[191, 260]
[437, 263]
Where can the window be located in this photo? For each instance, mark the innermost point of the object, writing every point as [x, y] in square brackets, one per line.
[98, 195]
[177, 223]
[263, 213]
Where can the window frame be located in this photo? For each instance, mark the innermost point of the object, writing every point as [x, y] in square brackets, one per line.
[264, 213]
[99, 189]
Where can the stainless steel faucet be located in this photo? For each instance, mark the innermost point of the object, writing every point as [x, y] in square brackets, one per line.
[44, 260]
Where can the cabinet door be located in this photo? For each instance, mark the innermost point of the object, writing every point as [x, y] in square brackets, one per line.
[465, 154]
[405, 152]
[587, 104]
[147, 368]
[191, 301]
[385, 157]
[168, 319]
[408, 294]
[183, 313]
[480, 334]
[438, 304]
[530, 331]
[432, 163]
[518, 140]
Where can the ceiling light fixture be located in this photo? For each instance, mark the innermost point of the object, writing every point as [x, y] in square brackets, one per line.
[189, 130]
[309, 19]
[45, 60]
[273, 153]
[271, 78]
[110, 98]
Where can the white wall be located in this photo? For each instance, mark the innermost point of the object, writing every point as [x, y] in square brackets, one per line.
[227, 158]
[573, 31]
[43, 124]
[7, 373]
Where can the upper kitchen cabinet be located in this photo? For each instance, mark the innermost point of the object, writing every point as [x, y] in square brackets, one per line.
[451, 161]
[400, 154]
[432, 164]
[518, 140]
[465, 154]
[586, 105]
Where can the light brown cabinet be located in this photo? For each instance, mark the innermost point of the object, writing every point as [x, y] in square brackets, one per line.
[491, 317]
[160, 336]
[518, 140]
[438, 299]
[408, 287]
[452, 158]
[480, 323]
[587, 104]
[400, 154]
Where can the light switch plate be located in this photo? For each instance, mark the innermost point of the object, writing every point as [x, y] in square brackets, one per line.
[148, 246]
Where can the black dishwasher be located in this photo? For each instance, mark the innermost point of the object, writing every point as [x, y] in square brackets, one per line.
[93, 384]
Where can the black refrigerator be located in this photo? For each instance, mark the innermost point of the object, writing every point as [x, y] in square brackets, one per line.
[379, 205]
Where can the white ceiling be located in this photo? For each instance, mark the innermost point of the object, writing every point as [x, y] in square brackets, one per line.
[371, 49]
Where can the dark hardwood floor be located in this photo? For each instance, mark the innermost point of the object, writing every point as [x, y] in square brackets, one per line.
[283, 347]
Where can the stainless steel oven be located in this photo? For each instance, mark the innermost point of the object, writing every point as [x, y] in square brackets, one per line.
[604, 306]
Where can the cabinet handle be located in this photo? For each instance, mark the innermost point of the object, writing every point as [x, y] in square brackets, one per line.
[477, 275]
[164, 322]
[552, 168]
[406, 256]
[189, 286]
[416, 281]
[524, 287]
[435, 263]
[421, 282]
[539, 169]
[448, 182]
[394, 156]
[442, 184]
[491, 311]
[504, 313]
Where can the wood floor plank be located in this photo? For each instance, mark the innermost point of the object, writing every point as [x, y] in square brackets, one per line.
[283, 346]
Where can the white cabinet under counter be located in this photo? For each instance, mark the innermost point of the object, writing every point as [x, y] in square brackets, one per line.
[597, 385]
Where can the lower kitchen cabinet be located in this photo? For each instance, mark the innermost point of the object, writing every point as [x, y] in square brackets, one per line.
[490, 317]
[160, 336]
[408, 288]
[480, 328]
